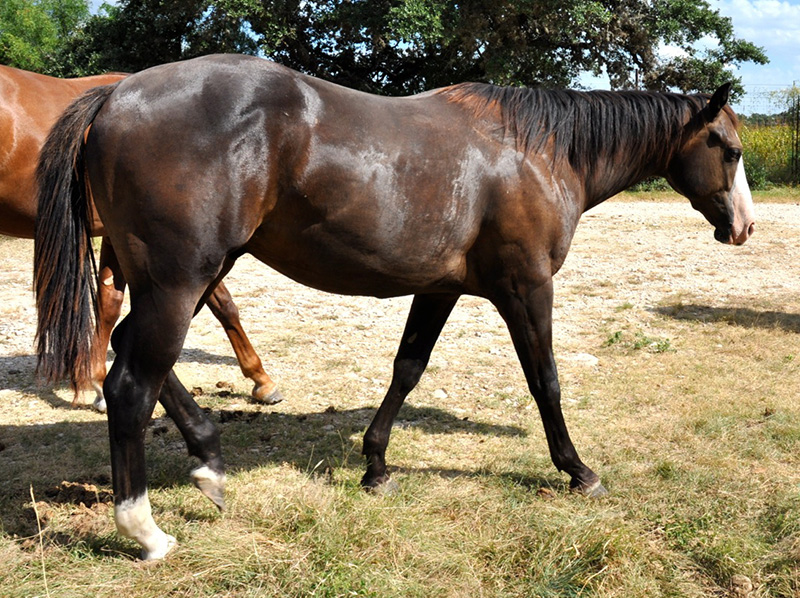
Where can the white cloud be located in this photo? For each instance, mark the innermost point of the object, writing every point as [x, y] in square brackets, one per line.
[775, 26]
[772, 24]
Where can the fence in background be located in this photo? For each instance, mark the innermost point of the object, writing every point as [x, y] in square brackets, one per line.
[795, 124]
[772, 133]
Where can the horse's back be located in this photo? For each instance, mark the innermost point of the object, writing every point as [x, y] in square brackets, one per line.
[321, 182]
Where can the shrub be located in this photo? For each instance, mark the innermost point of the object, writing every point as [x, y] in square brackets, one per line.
[767, 155]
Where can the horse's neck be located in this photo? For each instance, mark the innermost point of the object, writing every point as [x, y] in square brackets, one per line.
[638, 149]
[613, 174]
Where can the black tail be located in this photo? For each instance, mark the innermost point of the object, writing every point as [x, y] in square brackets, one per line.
[64, 268]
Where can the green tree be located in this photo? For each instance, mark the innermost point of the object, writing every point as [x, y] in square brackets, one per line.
[33, 33]
[136, 34]
[683, 23]
[406, 46]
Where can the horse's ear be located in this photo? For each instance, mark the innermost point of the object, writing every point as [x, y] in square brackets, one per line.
[718, 100]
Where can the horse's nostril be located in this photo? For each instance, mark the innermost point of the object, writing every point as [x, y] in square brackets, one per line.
[751, 229]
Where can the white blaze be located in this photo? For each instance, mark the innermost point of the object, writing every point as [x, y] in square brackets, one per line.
[742, 200]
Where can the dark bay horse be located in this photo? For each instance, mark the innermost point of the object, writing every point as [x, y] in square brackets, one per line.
[470, 189]
[29, 105]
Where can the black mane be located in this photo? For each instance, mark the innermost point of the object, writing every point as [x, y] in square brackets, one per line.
[585, 125]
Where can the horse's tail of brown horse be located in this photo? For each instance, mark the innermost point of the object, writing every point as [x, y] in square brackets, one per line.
[64, 267]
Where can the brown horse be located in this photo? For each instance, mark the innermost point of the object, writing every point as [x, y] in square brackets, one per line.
[470, 189]
[29, 105]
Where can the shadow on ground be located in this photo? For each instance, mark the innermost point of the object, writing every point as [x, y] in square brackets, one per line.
[736, 316]
[45, 457]
[18, 372]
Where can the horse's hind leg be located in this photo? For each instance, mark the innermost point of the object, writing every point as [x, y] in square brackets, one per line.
[527, 311]
[201, 435]
[224, 309]
[147, 343]
[425, 322]
[110, 294]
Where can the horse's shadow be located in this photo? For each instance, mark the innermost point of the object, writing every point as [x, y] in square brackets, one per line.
[736, 316]
[199, 356]
[41, 456]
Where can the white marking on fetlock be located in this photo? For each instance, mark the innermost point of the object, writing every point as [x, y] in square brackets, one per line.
[134, 520]
[211, 484]
[99, 399]
[204, 472]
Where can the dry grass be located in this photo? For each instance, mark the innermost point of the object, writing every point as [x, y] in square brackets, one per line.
[679, 364]
[776, 194]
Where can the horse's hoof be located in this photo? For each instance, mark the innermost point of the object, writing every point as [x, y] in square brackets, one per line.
[593, 490]
[99, 404]
[166, 544]
[211, 484]
[261, 395]
[384, 486]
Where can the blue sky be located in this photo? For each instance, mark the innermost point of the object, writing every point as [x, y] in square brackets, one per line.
[771, 24]
[775, 26]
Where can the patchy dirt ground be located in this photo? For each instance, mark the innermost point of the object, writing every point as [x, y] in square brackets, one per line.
[626, 253]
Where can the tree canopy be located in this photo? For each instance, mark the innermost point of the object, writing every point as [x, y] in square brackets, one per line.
[34, 33]
[406, 46]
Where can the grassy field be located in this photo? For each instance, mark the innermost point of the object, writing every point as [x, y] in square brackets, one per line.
[679, 362]
[780, 195]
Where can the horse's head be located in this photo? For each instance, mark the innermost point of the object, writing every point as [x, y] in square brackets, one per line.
[708, 169]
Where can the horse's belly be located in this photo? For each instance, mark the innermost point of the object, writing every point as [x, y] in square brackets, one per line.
[340, 264]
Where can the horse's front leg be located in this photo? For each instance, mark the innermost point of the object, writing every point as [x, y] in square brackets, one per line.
[425, 322]
[527, 310]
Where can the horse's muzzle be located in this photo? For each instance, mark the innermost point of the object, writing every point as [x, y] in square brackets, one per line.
[723, 235]
[726, 234]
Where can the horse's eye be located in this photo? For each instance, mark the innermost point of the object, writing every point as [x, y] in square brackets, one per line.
[733, 154]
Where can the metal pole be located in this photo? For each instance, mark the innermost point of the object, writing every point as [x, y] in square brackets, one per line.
[794, 116]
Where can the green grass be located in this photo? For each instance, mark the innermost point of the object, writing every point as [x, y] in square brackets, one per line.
[767, 156]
